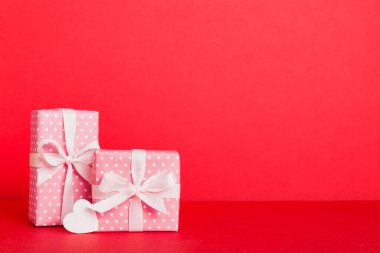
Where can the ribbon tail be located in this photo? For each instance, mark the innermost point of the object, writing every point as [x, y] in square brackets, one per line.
[154, 200]
[68, 198]
[135, 215]
[111, 202]
[84, 170]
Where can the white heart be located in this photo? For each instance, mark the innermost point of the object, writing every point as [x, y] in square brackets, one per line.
[82, 219]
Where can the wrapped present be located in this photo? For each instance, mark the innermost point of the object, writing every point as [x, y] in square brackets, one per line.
[132, 191]
[63, 143]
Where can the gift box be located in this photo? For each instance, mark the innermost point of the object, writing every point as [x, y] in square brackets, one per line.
[63, 142]
[133, 190]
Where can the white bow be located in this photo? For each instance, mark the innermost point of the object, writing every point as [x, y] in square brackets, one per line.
[114, 190]
[50, 163]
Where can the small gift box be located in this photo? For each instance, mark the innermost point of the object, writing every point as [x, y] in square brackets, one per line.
[133, 191]
[63, 142]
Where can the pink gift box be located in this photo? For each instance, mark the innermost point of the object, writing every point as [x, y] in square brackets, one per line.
[119, 162]
[45, 199]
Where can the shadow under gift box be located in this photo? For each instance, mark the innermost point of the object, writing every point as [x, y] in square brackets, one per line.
[45, 200]
[119, 162]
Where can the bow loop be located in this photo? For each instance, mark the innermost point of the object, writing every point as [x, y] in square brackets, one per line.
[159, 182]
[113, 183]
[52, 159]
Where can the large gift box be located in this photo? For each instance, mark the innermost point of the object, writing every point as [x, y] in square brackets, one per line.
[133, 190]
[63, 142]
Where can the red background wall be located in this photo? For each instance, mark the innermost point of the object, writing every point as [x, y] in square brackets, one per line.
[264, 99]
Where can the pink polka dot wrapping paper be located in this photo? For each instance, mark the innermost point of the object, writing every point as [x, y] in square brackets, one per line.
[45, 200]
[119, 162]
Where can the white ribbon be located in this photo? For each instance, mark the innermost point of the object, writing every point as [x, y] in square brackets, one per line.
[114, 190]
[50, 163]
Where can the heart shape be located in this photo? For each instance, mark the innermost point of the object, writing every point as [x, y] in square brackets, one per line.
[82, 220]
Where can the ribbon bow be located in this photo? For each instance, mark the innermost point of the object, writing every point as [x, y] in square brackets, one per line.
[50, 163]
[115, 190]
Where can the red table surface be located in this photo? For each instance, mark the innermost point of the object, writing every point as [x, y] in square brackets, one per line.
[215, 227]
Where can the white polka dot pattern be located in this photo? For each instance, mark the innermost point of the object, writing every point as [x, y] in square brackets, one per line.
[45, 200]
[119, 162]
